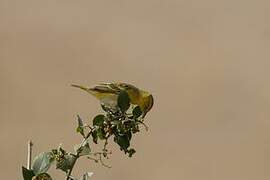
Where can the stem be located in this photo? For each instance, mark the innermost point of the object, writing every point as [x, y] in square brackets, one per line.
[102, 163]
[70, 171]
[29, 154]
[77, 155]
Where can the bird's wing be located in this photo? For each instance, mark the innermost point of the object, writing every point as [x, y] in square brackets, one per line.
[102, 89]
[103, 92]
[112, 86]
[106, 88]
[107, 93]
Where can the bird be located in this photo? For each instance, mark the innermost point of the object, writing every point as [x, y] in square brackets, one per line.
[108, 93]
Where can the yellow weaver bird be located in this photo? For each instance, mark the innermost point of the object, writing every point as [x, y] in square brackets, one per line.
[107, 93]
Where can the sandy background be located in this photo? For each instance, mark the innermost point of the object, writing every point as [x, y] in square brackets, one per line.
[206, 63]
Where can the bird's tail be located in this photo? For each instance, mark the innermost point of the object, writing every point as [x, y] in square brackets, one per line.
[81, 87]
[99, 91]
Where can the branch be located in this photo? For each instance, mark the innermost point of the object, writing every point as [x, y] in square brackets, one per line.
[29, 154]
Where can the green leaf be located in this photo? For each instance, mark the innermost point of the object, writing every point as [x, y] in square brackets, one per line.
[123, 101]
[86, 176]
[137, 112]
[27, 174]
[99, 120]
[82, 149]
[122, 141]
[43, 176]
[131, 152]
[54, 151]
[101, 133]
[115, 130]
[66, 162]
[85, 150]
[60, 151]
[42, 162]
[129, 135]
[94, 136]
[80, 128]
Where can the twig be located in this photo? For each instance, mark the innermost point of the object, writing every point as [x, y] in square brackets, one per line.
[102, 163]
[29, 154]
[100, 158]
[97, 153]
[96, 160]
[105, 145]
[145, 126]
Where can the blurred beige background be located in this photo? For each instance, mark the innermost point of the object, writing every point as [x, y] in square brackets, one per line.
[206, 63]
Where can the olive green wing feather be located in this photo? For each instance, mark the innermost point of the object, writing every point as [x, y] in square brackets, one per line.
[101, 91]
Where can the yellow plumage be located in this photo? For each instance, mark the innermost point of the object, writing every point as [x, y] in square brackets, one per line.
[107, 93]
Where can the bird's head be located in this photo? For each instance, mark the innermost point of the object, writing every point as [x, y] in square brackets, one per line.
[140, 97]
